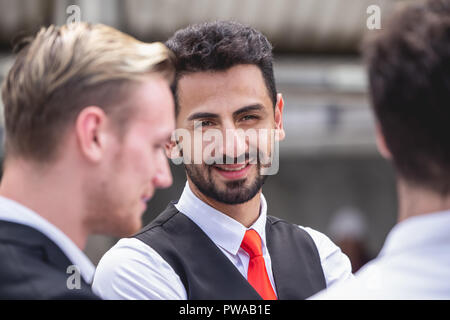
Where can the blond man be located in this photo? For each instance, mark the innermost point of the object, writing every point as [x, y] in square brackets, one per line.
[87, 113]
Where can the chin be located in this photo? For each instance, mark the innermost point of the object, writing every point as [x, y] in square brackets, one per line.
[135, 226]
[128, 230]
[127, 226]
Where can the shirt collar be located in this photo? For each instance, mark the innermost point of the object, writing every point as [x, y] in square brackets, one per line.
[13, 211]
[417, 232]
[223, 230]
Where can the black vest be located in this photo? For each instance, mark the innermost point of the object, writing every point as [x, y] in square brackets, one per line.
[207, 274]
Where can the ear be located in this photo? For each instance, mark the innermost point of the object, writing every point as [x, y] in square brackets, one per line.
[381, 142]
[173, 147]
[172, 150]
[279, 117]
[89, 127]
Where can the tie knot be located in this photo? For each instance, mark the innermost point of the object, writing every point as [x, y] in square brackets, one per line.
[252, 243]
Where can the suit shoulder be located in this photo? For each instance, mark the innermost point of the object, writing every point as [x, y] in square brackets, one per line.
[286, 225]
[167, 215]
[25, 274]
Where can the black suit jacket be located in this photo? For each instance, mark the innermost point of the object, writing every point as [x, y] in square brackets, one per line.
[34, 267]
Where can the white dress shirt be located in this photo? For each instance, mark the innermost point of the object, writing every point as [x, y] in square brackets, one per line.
[413, 264]
[133, 270]
[13, 211]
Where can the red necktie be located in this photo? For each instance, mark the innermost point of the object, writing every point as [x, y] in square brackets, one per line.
[257, 273]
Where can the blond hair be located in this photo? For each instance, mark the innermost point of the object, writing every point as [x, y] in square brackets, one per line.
[63, 69]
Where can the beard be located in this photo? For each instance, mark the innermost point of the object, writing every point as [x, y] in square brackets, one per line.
[228, 192]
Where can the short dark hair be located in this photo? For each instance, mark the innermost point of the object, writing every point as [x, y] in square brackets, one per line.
[409, 76]
[218, 46]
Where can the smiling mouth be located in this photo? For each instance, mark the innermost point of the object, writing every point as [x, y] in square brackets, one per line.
[231, 167]
[232, 171]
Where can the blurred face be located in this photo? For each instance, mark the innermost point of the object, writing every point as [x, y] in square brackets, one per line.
[136, 164]
[229, 118]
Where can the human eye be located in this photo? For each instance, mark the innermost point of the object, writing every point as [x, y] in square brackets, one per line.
[250, 117]
[203, 123]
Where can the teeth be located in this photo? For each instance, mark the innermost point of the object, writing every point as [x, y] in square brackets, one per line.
[232, 169]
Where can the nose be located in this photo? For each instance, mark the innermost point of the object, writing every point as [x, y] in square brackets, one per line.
[235, 142]
[163, 177]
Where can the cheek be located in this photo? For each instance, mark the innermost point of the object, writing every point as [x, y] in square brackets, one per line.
[146, 164]
[139, 159]
[262, 141]
[192, 146]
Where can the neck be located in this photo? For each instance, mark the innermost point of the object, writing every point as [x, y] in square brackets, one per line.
[415, 201]
[49, 192]
[245, 213]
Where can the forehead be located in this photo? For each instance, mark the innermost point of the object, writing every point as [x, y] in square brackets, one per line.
[222, 91]
[153, 107]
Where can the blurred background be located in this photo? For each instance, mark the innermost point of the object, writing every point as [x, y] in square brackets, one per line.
[331, 177]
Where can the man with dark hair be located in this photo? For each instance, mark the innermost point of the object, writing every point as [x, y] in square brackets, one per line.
[409, 73]
[217, 241]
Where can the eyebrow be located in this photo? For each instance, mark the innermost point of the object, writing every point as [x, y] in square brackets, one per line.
[201, 115]
[253, 107]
